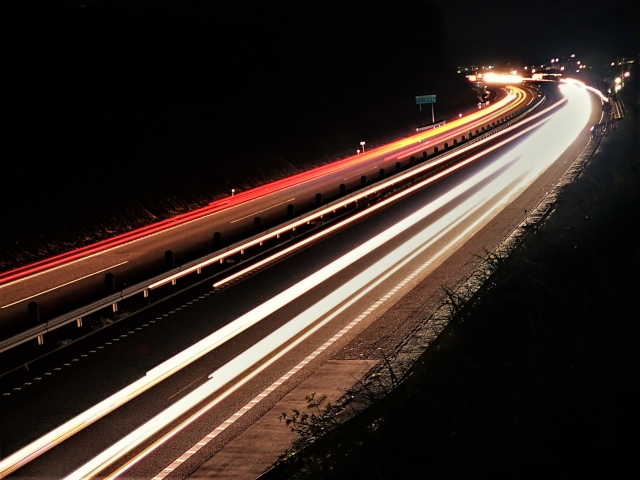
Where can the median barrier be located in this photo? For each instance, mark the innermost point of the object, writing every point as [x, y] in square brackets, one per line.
[382, 173]
[291, 210]
[363, 180]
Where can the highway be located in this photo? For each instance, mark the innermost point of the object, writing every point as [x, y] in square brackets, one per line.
[304, 308]
[78, 276]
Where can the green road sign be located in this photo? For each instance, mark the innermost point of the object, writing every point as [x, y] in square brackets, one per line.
[422, 99]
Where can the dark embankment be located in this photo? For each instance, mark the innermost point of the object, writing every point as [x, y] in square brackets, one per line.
[536, 376]
[120, 113]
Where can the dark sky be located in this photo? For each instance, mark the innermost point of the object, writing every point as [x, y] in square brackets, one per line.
[532, 32]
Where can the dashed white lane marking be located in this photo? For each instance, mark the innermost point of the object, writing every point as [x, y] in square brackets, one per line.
[263, 210]
[224, 425]
[62, 285]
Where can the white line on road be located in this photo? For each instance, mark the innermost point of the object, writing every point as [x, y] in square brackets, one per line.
[65, 284]
[364, 171]
[264, 210]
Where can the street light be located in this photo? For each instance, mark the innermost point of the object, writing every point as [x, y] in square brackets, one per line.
[358, 152]
[362, 143]
[233, 190]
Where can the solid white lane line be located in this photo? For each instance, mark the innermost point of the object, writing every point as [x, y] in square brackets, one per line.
[65, 284]
[358, 174]
[263, 210]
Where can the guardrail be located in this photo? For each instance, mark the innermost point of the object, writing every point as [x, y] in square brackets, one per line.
[171, 276]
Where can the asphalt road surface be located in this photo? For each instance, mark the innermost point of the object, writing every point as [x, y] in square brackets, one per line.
[370, 265]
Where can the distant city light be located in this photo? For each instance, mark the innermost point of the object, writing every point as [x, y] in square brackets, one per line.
[533, 70]
[573, 55]
[613, 63]
[578, 62]
[618, 80]
[561, 69]
[552, 60]
[626, 74]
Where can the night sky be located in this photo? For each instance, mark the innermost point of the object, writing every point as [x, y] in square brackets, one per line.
[532, 32]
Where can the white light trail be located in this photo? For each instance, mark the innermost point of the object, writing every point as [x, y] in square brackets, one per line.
[287, 332]
[167, 368]
[525, 163]
[552, 144]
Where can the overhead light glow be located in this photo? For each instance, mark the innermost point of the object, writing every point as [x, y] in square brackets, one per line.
[502, 79]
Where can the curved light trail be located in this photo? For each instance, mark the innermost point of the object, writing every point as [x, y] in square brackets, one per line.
[517, 168]
[533, 154]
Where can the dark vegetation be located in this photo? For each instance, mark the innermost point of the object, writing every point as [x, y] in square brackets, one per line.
[536, 376]
[120, 113]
